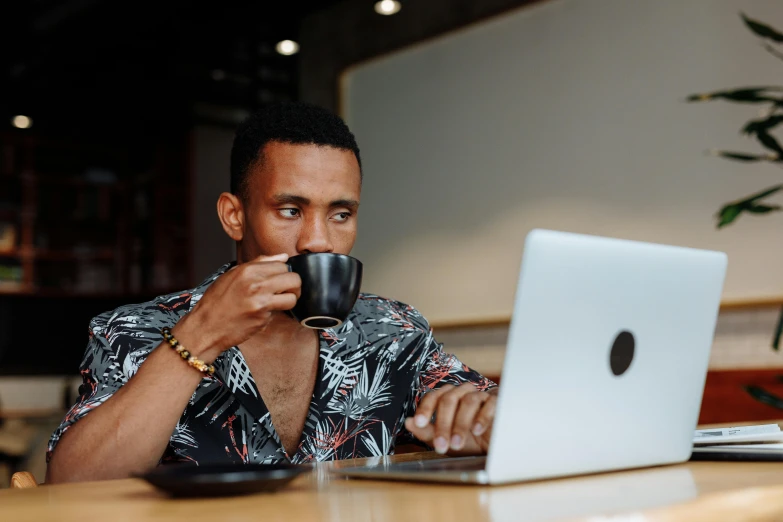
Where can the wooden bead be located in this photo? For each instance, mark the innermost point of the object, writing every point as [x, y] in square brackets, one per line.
[192, 360]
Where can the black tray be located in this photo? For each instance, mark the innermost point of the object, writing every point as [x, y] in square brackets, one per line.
[212, 480]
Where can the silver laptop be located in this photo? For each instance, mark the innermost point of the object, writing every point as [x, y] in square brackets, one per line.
[605, 363]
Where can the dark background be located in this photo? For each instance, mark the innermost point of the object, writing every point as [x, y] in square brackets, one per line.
[130, 80]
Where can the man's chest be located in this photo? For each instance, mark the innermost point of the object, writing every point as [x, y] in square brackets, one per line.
[342, 402]
[286, 387]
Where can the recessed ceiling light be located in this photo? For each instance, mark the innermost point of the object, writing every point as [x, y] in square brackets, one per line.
[387, 7]
[21, 122]
[287, 47]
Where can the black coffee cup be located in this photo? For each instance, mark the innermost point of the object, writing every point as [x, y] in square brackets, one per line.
[330, 287]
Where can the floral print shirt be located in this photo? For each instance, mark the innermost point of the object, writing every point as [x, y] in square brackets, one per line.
[372, 372]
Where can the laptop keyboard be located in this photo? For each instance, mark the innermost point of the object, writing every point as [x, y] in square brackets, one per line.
[453, 464]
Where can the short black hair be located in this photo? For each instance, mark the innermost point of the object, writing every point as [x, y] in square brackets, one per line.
[285, 122]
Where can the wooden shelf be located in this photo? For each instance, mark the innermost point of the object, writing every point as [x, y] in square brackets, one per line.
[103, 254]
[505, 321]
[58, 293]
[21, 215]
[80, 183]
[7, 288]
[52, 198]
[7, 213]
[70, 294]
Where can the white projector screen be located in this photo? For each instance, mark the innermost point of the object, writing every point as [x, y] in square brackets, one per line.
[568, 115]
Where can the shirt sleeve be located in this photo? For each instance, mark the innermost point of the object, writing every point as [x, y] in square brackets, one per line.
[104, 369]
[435, 369]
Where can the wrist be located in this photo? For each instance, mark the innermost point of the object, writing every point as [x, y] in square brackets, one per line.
[192, 360]
[193, 339]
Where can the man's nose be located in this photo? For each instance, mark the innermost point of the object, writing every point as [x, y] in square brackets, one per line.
[314, 237]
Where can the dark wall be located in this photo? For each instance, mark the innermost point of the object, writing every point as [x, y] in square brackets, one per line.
[48, 335]
[351, 31]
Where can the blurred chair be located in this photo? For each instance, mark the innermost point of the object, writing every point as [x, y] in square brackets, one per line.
[23, 479]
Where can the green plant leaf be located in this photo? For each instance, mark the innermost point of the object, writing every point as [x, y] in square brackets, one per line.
[769, 142]
[741, 95]
[762, 30]
[741, 156]
[731, 211]
[763, 396]
[771, 50]
[762, 209]
[761, 128]
[728, 214]
[778, 332]
[764, 193]
[765, 125]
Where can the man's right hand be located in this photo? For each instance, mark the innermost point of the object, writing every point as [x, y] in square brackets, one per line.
[237, 305]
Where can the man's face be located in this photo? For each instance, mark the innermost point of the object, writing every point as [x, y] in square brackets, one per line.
[301, 199]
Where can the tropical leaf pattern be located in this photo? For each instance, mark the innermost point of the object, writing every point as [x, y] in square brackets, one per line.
[373, 371]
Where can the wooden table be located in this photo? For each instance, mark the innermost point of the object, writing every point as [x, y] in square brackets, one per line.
[690, 492]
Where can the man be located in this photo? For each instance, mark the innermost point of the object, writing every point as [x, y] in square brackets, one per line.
[279, 391]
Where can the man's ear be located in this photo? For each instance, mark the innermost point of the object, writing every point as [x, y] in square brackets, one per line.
[232, 215]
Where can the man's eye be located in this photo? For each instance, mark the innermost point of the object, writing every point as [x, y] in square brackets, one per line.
[289, 212]
[342, 216]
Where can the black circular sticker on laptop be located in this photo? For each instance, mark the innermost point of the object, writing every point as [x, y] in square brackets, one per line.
[622, 352]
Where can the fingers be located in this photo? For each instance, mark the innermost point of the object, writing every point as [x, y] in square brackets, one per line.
[443, 403]
[271, 277]
[284, 301]
[420, 425]
[463, 419]
[266, 284]
[426, 408]
[483, 421]
[466, 418]
[243, 301]
[279, 292]
[279, 283]
[445, 416]
[270, 266]
[266, 259]
[282, 258]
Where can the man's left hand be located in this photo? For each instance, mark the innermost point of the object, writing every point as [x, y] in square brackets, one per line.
[463, 419]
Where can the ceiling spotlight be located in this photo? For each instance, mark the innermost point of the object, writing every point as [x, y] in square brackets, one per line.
[387, 7]
[287, 47]
[218, 75]
[21, 122]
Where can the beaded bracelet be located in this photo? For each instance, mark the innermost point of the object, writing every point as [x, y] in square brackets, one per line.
[198, 364]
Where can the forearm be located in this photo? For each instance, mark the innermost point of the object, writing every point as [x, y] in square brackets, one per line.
[130, 431]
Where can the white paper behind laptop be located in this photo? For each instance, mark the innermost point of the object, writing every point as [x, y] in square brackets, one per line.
[561, 410]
